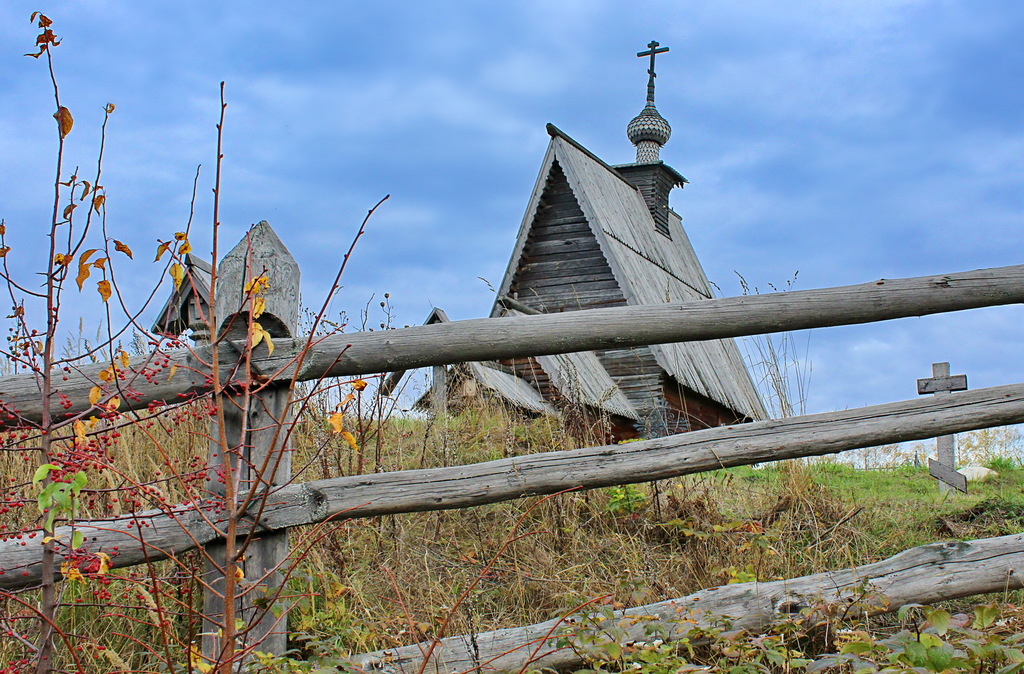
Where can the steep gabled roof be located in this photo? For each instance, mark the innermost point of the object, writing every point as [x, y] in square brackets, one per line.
[580, 378]
[649, 268]
[179, 311]
[505, 385]
[511, 388]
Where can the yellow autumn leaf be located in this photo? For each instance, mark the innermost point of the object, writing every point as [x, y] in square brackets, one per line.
[79, 427]
[239, 573]
[4, 250]
[197, 662]
[359, 384]
[160, 250]
[259, 305]
[174, 368]
[108, 374]
[259, 334]
[121, 248]
[69, 209]
[113, 404]
[185, 247]
[95, 393]
[351, 440]
[178, 274]
[62, 259]
[181, 236]
[83, 266]
[104, 288]
[64, 120]
[337, 421]
[83, 274]
[104, 563]
[71, 572]
[100, 263]
[124, 358]
[258, 284]
[109, 108]
[98, 201]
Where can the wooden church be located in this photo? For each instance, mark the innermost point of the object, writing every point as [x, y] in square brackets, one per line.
[596, 235]
[593, 235]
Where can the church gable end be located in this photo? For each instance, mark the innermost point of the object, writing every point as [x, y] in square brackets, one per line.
[562, 267]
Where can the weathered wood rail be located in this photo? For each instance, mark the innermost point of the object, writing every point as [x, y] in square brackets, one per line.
[924, 574]
[498, 338]
[160, 534]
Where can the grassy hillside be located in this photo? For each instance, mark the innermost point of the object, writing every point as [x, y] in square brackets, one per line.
[368, 584]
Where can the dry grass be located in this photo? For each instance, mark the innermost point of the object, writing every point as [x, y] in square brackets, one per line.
[368, 584]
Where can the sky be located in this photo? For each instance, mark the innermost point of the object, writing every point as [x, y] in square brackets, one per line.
[825, 143]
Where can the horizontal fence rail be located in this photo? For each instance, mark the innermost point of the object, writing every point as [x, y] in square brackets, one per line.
[921, 575]
[174, 376]
[143, 537]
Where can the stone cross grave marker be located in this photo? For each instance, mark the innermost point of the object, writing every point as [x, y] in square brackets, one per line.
[944, 469]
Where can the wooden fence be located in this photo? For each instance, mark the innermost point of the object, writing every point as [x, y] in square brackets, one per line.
[252, 426]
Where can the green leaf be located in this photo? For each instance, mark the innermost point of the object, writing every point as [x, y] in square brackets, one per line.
[77, 539]
[939, 658]
[916, 654]
[44, 500]
[61, 498]
[43, 471]
[939, 620]
[984, 616]
[855, 647]
[50, 516]
[613, 650]
[78, 482]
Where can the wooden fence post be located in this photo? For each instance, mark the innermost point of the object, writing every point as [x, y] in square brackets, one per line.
[439, 378]
[255, 455]
[944, 469]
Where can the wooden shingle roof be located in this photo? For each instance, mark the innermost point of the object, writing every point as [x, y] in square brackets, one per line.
[650, 268]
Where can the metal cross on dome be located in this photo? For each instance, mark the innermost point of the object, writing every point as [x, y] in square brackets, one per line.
[652, 51]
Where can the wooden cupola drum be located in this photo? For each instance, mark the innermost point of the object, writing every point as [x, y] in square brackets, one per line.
[649, 132]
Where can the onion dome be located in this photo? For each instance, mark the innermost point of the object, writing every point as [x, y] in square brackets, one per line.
[648, 131]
